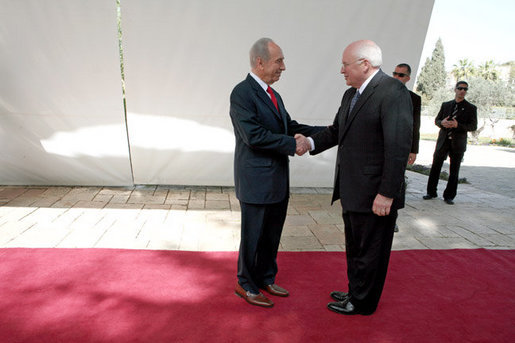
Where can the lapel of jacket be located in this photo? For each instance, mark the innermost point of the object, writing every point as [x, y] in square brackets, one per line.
[260, 92]
[369, 90]
[282, 111]
[463, 113]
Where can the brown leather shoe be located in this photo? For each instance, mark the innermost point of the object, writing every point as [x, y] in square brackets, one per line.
[276, 290]
[253, 299]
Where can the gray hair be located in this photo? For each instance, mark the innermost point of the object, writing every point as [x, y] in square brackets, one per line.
[260, 49]
[370, 51]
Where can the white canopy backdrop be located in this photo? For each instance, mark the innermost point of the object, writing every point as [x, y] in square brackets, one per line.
[62, 120]
[61, 105]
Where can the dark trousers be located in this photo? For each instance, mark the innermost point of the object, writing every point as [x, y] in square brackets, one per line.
[368, 242]
[261, 228]
[434, 175]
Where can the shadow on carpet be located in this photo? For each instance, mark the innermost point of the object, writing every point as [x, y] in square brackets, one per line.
[111, 295]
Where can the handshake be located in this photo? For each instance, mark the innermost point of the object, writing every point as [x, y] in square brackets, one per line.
[303, 144]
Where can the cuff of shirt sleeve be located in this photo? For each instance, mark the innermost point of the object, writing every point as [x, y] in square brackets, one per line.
[312, 143]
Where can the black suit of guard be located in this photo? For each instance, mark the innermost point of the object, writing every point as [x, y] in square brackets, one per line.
[452, 143]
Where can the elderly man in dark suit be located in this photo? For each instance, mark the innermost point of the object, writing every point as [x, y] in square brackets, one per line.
[264, 139]
[455, 119]
[373, 132]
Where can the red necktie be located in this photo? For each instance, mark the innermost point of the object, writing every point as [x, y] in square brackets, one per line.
[272, 95]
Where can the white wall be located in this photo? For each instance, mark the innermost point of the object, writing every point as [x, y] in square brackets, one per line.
[61, 116]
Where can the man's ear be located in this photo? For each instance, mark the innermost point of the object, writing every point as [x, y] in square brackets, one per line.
[259, 63]
[367, 65]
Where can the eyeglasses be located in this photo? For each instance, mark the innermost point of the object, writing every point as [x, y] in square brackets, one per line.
[399, 74]
[462, 88]
[348, 64]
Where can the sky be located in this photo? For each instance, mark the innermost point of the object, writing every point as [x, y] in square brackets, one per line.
[479, 30]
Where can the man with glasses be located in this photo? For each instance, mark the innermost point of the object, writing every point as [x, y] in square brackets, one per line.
[402, 73]
[455, 119]
[372, 130]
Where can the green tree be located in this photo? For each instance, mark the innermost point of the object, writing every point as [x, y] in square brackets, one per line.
[439, 96]
[488, 71]
[463, 70]
[487, 94]
[432, 76]
[511, 73]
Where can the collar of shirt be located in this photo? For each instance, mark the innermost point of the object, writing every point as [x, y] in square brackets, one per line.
[261, 83]
[367, 81]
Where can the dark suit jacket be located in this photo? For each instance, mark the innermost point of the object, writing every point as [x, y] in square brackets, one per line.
[416, 101]
[467, 121]
[264, 139]
[373, 144]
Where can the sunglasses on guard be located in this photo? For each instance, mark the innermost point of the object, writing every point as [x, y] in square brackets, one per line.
[399, 74]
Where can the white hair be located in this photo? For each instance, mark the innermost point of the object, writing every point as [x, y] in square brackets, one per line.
[260, 49]
[370, 51]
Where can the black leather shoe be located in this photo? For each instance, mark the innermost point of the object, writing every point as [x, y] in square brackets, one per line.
[449, 201]
[340, 296]
[343, 307]
[428, 197]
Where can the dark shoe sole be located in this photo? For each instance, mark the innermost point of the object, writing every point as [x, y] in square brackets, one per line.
[350, 313]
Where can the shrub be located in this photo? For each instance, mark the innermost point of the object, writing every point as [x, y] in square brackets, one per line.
[504, 142]
[501, 142]
[425, 171]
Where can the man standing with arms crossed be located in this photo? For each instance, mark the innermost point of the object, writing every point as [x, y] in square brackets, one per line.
[264, 139]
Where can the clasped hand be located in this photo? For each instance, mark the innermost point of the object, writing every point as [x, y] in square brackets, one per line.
[303, 144]
[449, 124]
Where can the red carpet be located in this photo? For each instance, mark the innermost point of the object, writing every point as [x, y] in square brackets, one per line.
[108, 295]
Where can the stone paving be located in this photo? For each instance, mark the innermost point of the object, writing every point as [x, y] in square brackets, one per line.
[489, 168]
[208, 218]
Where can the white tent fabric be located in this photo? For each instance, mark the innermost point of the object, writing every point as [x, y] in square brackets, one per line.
[61, 113]
[61, 107]
[182, 59]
